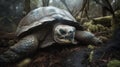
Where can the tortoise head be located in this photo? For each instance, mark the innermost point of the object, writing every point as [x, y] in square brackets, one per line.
[64, 34]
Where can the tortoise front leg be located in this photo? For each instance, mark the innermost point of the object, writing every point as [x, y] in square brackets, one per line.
[87, 38]
[21, 49]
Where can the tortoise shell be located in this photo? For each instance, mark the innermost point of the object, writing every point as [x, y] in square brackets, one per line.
[41, 16]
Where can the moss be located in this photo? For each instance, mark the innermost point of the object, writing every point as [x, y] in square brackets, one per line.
[114, 63]
[24, 63]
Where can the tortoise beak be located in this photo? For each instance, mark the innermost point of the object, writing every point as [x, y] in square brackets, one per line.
[71, 38]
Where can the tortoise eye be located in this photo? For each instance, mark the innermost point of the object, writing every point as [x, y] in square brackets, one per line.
[70, 31]
[63, 32]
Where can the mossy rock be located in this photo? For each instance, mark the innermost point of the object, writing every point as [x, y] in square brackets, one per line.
[114, 63]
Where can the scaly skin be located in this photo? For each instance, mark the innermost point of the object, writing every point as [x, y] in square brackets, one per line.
[29, 44]
[21, 49]
[87, 38]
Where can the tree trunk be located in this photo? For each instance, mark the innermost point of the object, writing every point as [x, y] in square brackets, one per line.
[27, 6]
[45, 2]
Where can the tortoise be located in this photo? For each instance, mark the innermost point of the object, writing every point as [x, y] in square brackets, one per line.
[44, 27]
